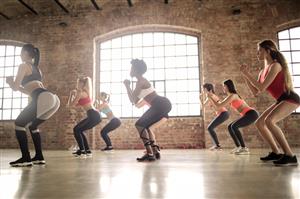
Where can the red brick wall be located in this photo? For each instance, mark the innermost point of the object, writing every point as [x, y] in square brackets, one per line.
[226, 41]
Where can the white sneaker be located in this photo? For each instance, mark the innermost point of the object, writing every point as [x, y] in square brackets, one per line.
[235, 149]
[242, 151]
[215, 148]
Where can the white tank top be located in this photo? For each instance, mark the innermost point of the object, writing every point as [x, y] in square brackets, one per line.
[145, 92]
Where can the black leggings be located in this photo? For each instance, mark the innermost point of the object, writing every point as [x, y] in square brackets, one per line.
[93, 118]
[249, 118]
[160, 107]
[222, 117]
[112, 125]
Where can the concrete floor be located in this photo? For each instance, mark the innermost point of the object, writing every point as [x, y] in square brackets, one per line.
[183, 174]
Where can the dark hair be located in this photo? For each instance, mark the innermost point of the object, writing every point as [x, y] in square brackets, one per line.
[33, 52]
[106, 96]
[139, 66]
[209, 87]
[230, 85]
[276, 55]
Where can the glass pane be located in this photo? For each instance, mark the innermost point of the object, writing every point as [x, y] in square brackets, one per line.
[2, 61]
[137, 53]
[191, 40]
[126, 41]
[6, 114]
[105, 65]
[181, 73]
[116, 76]
[105, 54]
[16, 103]
[126, 65]
[137, 40]
[116, 99]
[295, 32]
[1, 114]
[149, 62]
[283, 34]
[194, 97]
[117, 110]
[9, 71]
[7, 92]
[7, 103]
[148, 52]
[192, 49]
[159, 38]
[171, 73]
[296, 69]
[193, 85]
[24, 102]
[183, 109]
[15, 113]
[284, 45]
[295, 44]
[173, 112]
[192, 61]
[182, 97]
[106, 44]
[149, 75]
[10, 50]
[105, 76]
[105, 87]
[18, 50]
[116, 65]
[169, 38]
[296, 56]
[126, 111]
[2, 50]
[159, 51]
[180, 50]
[9, 61]
[159, 74]
[180, 39]
[182, 85]
[159, 62]
[1, 73]
[170, 62]
[296, 81]
[116, 88]
[194, 109]
[148, 39]
[170, 51]
[180, 62]
[171, 85]
[193, 73]
[287, 56]
[116, 43]
[116, 53]
[160, 86]
[126, 53]
[18, 60]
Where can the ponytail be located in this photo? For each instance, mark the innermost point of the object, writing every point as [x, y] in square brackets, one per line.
[36, 57]
[33, 52]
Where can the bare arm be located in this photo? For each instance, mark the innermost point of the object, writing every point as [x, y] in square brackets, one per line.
[16, 84]
[223, 103]
[132, 94]
[274, 70]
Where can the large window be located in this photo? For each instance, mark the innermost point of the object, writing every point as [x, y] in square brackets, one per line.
[289, 45]
[173, 69]
[11, 103]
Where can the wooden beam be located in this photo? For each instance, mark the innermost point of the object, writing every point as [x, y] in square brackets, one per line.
[61, 6]
[28, 7]
[166, 1]
[95, 5]
[5, 16]
[129, 3]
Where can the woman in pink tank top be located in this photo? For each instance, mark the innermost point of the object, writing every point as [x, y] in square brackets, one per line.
[274, 78]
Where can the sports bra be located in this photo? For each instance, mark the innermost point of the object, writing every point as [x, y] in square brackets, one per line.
[277, 87]
[34, 76]
[236, 104]
[84, 101]
[145, 92]
[106, 110]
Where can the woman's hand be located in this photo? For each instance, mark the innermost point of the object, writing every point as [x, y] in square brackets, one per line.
[126, 82]
[209, 94]
[9, 80]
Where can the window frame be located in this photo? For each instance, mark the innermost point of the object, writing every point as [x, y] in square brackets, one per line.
[140, 30]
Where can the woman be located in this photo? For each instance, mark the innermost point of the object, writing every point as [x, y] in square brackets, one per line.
[113, 123]
[248, 115]
[159, 106]
[221, 114]
[82, 96]
[276, 79]
[42, 106]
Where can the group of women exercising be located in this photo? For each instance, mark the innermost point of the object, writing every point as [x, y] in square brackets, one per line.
[274, 78]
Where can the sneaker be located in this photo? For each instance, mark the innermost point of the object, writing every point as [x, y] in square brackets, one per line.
[156, 150]
[216, 148]
[79, 153]
[22, 162]
[235, 149]
[108, 148]
[38, 160]
[157, 155]
[242, 151]
[88, 153]
[286, 160]
[146, 157]
[271, 157]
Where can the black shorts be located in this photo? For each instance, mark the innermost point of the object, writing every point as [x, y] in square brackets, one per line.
[290, 97]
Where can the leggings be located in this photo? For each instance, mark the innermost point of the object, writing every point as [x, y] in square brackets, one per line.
[249, 118]
[112, 125]
[93, 118]
[222, 117]
[42, 106]
[160, 107]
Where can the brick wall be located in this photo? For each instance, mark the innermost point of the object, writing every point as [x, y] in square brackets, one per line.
[226, 41]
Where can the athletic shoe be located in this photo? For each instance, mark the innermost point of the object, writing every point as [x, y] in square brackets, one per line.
[286, 160]
[157, 155]
[156, 151]
[88, 153]
[108, 148]
[22, 162]
[79, 153]
[146, 157]
[216, 148]
[235, 149]
[271, 157]
[242, 151]
[38, 160]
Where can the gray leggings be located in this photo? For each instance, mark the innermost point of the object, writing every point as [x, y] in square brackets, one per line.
[222, 117]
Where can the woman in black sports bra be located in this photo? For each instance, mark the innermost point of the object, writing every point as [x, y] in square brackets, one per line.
[42, 106]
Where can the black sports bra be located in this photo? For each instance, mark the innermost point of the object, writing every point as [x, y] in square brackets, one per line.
[34, 76]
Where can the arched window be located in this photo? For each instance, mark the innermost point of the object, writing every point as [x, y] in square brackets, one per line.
[11, 102]
[289, 45]
[173, 69]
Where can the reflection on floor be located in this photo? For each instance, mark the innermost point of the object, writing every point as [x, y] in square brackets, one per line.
[181, 174]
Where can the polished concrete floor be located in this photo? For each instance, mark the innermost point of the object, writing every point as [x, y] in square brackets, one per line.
[183, 174]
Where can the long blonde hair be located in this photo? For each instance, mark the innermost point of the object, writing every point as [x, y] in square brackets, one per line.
[87, 85]
[278, 56]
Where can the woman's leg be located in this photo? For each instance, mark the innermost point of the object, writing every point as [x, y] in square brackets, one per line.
[36, 138]
[233, 135]
[281, 111]
[264, 131]
[214, 123]
[112, 125]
